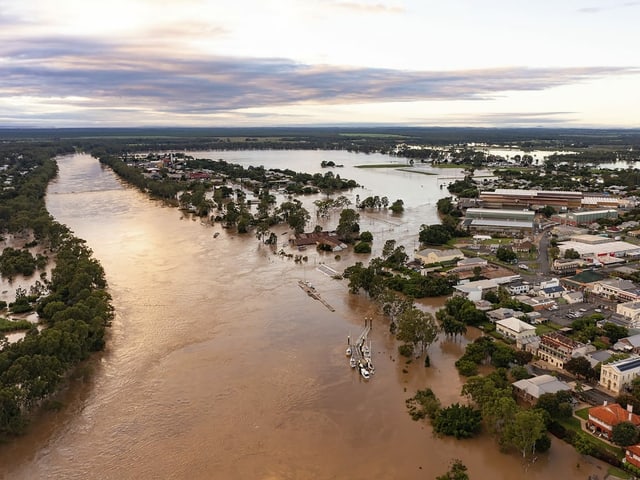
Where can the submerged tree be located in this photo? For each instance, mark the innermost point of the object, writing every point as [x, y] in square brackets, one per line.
[457, 471]
[417, 328]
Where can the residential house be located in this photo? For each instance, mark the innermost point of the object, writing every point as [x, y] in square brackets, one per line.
[522, 247]
[467, 264]
[604, 417]
[556, 348]
[474, 290]
[614, 376]
[631, 311]
[429, 256]
[632, 455]
[537, 303]
[552, 292]
[573, 297]
[502, 313]
[628, 344]
[515, 329]
[530, 389]
[302, 240]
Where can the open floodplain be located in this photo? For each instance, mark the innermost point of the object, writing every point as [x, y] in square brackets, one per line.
[219, 366]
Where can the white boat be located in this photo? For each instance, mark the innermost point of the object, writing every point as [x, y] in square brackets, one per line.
[348, 352]
[364, 372]
[353, 363]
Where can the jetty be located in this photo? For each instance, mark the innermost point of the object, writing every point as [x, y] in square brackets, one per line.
[360, 351]
[311, 291]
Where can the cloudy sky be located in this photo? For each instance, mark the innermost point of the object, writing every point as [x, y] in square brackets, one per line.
[569, 63]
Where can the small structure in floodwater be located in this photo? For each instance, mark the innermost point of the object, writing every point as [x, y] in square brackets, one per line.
[360, 352]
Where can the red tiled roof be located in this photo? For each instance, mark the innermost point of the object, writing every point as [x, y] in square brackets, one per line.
[613, 414]
[634, 449]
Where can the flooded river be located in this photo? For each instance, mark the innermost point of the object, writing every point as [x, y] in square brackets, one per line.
[219, 366]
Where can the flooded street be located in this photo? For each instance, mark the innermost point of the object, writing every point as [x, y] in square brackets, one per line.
[219, 366]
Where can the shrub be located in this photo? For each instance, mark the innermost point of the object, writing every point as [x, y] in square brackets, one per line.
[362, 247]
[406, 350]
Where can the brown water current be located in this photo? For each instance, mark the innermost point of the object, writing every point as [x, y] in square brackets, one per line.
[219, 366]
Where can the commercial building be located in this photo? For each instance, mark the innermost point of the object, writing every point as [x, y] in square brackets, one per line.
[532, 199]
[515, 329]
[499, 220]
[501, 214]
[595, 247]
[618, 289]
[474, 290]
[614, 376]
[631, 311]
[535, 199]
[556, 349]
[584, 217]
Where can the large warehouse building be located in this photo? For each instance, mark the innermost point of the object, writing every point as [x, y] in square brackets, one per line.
[499, 221]
[535, 199]
[584, 217]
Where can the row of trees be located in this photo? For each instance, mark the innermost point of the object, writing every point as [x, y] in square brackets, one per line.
[76, 310]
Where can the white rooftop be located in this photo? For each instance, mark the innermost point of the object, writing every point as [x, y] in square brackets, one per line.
[540, 385]
[515, 325]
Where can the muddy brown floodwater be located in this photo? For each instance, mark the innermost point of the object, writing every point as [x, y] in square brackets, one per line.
[220, 367]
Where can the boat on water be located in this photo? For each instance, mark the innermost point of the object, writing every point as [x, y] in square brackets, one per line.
[348, 351]
[365, 373]
[353, 362]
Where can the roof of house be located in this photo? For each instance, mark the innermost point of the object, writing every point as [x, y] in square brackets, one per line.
[451, 252]
[599, 356]
[540, 385]
[312, 238]
[556, 289]
[515, 325]
[634, 449]
[472, 261]
[502, 312]
[613, 414]
[574, 295]
[632, 340]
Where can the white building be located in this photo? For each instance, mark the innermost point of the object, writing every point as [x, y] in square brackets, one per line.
[515, 329]
[530, 389]
[474, 290]
[630, 310]
[433, 255]
[573, 297]
[614, 376]
[617, 288]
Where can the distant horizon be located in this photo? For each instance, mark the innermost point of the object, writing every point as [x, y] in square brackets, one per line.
[191, 63]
